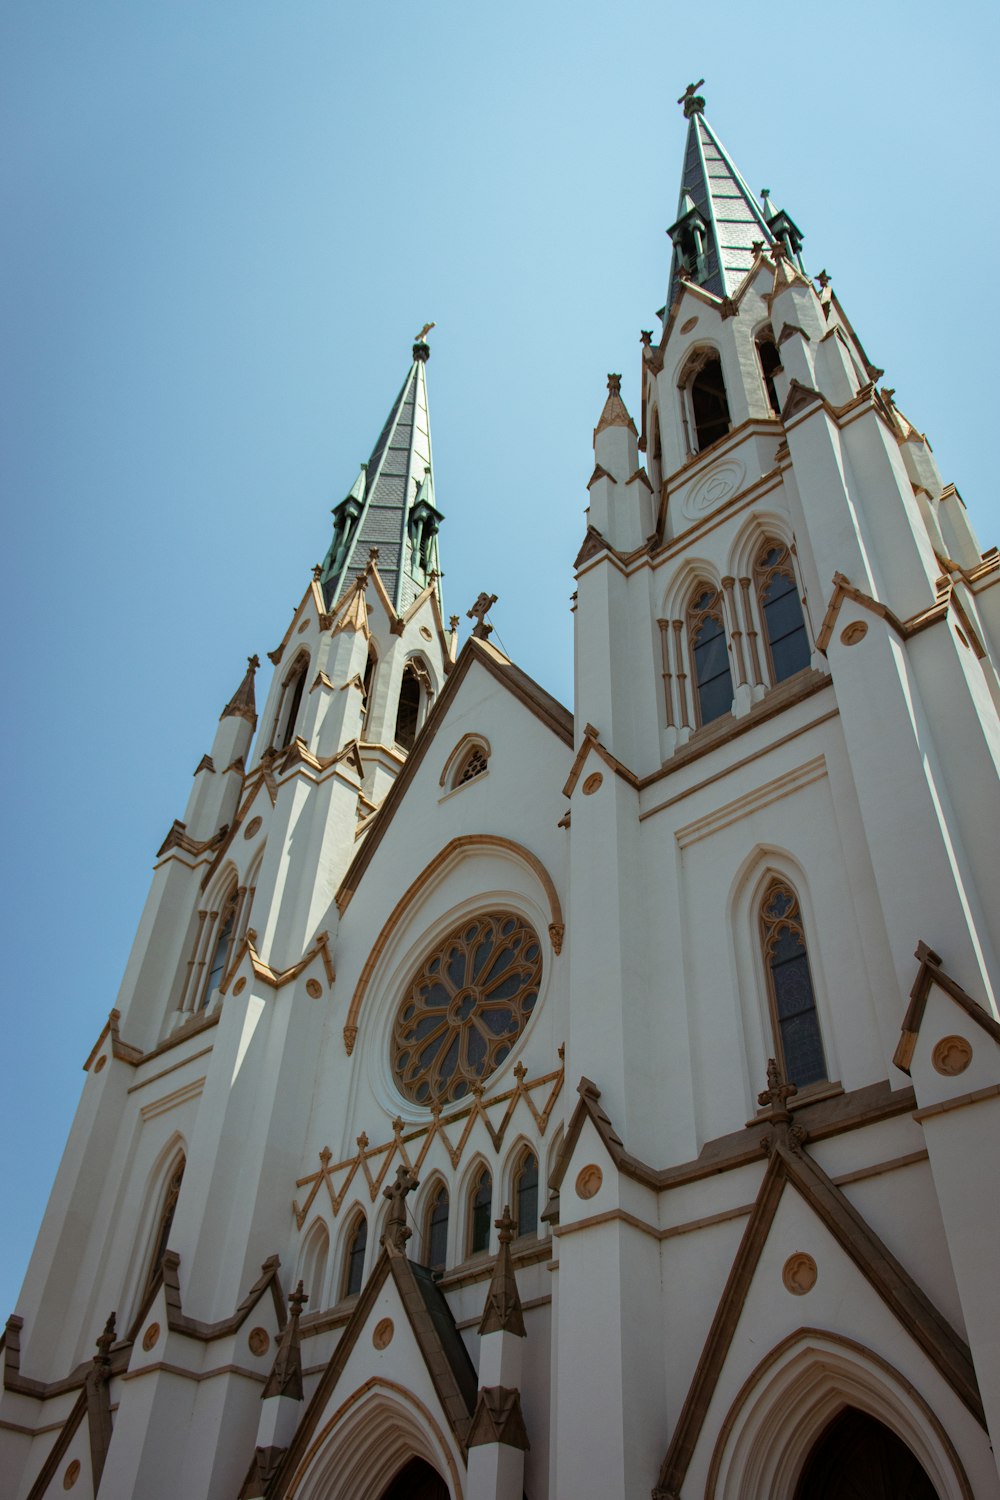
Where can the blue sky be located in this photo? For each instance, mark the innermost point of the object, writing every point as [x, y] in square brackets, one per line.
[223, 224]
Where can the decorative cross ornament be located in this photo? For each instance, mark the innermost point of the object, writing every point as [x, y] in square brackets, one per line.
[778, 1092]
[506, 1225]
[424, 332]
[478, 612]
[104, 1342]
[397, 1231]
[317, 571]
[692, 101]
[297, 1301]
[253, 662]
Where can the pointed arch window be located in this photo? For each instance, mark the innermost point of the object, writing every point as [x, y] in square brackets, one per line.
[165, 1221]
[781, 611]
[790, 986]
[436, 1237]
[222, 945]
[713, 679]
[291, 702]
[473, 765]
[480, 1212]
[709, 402]
[354, 1259]
[770, 363]
[367, 681]
[313, 1273]
[408, 710]
[525, 1193]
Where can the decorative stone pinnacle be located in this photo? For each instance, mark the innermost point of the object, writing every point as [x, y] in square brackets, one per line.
[453, 622]
[778, 1092]
[297, 1301]
[614, 385]
[104, 1342]
[317, 571]
[823, 278]
[646, 337]
[507, 1225]
[372, 556]
[692, 101]
[242, 704]
[397, 1231]
[481, 631]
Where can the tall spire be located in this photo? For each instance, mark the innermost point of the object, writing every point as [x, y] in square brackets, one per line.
[391, 503]
[718, 218]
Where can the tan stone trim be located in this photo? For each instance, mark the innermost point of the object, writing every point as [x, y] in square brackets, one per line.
[196, 1375]
[276, 979]
[464, 745]
[753, 1383]
[59, 1449]
[705, 457]
[610, 1216]
[546, 1301]
[310, 594]
[776, 701]
[844, 589]
[592, 743]
[753, 801]
[155, 1077]
[179, 1096]
[895, 1164]
[34, 1432]
[977, 1096]
[465, 844]
[930, 972]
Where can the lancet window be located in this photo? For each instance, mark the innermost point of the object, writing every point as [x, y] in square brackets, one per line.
[480, 1212]
[525, 1193]
[770, 361]
[709, 404]
[436, 1233]
[713, 680]
[291, 702]
[473, 765]
[314, 1263]
[368, 680]
[164, 1224]
[793, 1002]
[781, 611]
[222, 945]
[354, 1259]
[408, 709]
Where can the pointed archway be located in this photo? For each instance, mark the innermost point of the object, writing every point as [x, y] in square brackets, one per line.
[856, 1457]
[416, 1480]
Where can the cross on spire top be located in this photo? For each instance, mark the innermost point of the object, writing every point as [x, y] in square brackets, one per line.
[692, 101]
[478, 612]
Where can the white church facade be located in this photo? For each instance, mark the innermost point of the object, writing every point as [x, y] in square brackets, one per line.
[503, 1100]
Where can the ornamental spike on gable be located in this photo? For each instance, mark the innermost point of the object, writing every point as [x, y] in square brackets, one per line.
[718, 217]
[391, 503]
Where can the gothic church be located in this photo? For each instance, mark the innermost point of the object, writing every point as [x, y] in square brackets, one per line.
[507, 1100]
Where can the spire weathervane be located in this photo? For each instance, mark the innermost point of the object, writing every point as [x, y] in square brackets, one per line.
[692, 101]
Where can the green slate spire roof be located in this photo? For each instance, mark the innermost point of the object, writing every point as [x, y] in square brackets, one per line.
[391, 503]
[718, 218]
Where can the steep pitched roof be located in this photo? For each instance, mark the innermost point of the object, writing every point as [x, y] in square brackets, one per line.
[712, 185]
[398, 474]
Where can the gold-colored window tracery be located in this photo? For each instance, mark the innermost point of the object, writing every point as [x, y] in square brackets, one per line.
[465, 1007]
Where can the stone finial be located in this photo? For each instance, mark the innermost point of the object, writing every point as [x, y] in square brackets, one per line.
[646, 337]
[775, 1097]
[453, 622]
[502, 1313]
[102, 1358]
[481, 631]
[285, 1378]
[823, 278]
[397, 1231]
[615, 413]
[317, 572]
[692, 101]
[242, 705]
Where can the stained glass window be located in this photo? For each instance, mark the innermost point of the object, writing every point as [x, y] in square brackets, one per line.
[292, 696]
[168, 1208]
[482, 1213]
[474, 765]
[223, 942]
[784, 626]
[710, 653]
[437, 1230]
[466, 1007]
[355, 1266]
[526, 1194]
[408, 711]
[791, 985]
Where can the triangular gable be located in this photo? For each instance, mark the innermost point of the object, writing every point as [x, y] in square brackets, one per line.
[528, 692]
[315, 594]
[931, 973]
[429, 1317]
[929, 1329]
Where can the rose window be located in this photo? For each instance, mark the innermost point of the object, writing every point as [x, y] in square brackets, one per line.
[465, 1007]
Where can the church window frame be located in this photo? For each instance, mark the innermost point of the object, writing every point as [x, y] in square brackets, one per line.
[524, 1192]
[368, 685]
[769, 360]
[314, 1263]
[780, 928]
[415, 692]
[705, 411]
[290, 703]
[221, 944]
[159, 1239]
[467, 762]
[437, 1225]
[352, 1275]
[782, 616]
[706, 607]
[479, 1212]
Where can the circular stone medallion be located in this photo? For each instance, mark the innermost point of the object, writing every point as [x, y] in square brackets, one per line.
[592, 783]
[239, 986]
[101, 1061]
[258, 1341]
[952, 1055]
[72, 1474]
[384, 1330]
[589, 1181]
[252, 827]
[799, 1274]
[854, 634]
[722, 480]
[313, 988]
[150, 1337]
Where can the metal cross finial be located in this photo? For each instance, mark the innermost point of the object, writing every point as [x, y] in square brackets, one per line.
[692, 101]
[507, 1225]
[478, 612]
[424, 332]
[397, 1231]
[297, 1301]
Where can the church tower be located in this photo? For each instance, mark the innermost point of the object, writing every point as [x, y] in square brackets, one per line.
[506, 1101]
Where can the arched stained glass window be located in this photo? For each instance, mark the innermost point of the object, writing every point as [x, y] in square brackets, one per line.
[526, 1194]
[291, 702]
[465, 1007]
[168, 1208]
[314, 1263]
[790, 982]
[480, 1212]
[474, 765]
[223, 942]
[437, 1230]
[781, 611]
[408, 710]
[354, 1262]
[710, 654]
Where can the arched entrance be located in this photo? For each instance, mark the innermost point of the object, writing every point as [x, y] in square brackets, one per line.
[418, 1481]
[857, 1458]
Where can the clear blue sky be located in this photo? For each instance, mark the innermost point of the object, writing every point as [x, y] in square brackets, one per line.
[222, 226]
